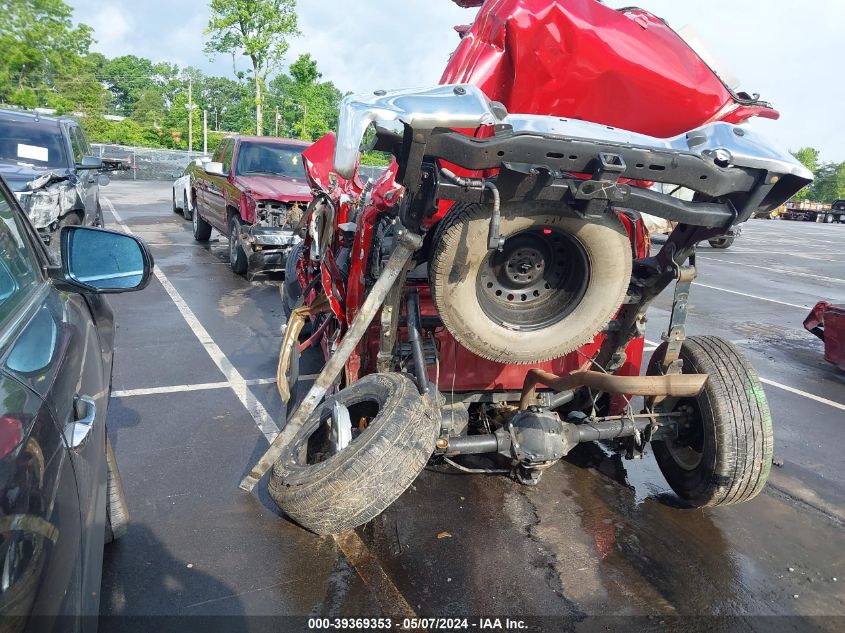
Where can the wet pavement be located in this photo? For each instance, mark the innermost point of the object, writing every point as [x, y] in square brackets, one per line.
[598, 537]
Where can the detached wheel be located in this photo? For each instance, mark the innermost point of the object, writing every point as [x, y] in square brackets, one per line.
[723, 451]
[555, 284]
[356, 454]
[202, 229]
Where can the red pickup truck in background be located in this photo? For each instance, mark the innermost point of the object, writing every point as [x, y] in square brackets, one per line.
[254, 192]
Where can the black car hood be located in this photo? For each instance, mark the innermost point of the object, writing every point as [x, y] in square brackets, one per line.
[18, 175]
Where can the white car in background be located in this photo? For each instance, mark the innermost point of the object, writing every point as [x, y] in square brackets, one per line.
[182, 201]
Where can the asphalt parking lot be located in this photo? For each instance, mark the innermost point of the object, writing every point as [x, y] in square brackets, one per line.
[194, 403]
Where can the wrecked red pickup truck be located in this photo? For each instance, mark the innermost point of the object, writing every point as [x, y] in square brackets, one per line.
[254, 192]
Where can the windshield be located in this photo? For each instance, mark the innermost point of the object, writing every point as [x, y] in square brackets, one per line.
[270, 158]
[32, 144]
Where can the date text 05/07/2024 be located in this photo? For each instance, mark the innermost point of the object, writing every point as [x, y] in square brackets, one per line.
[415, 624]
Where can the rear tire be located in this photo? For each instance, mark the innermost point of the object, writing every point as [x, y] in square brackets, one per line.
[356, 484]
[237, 257]
[117, 509]
[175, 208]
[187, 213]
[202, 229]
[722, 242]
[724, 456]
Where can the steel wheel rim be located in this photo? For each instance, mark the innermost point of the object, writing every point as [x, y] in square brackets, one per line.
[339, 427]
[536, 280]
[687, 449]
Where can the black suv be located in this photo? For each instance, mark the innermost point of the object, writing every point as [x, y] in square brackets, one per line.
[47, 162]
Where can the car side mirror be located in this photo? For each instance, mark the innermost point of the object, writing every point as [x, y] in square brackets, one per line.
[90, 162]
[214, 169]
[102, 262]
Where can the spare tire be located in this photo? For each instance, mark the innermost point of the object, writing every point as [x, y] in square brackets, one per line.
[555, 284]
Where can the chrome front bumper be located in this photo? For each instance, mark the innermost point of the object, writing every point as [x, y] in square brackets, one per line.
[727, 164]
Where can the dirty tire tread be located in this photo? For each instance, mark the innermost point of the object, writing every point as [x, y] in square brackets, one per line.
[446, 241]
[358, 484]
[117, 510]
[741, 422]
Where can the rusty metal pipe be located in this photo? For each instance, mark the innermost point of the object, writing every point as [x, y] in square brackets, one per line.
[675, 385]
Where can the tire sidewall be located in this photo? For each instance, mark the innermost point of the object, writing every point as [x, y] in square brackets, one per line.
[736, 422]
[454, 281]
[391, 390]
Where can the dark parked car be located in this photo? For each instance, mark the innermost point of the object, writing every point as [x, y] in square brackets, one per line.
[61, 496]
[47, 162]
[254, 192]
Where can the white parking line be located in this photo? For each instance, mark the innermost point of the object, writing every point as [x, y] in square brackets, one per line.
[235, 380]
[797, 392]
[208, 386]
[781, 271]
[745, 294]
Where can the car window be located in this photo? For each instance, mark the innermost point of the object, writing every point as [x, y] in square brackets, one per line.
[78, 143]
[28, 143]
[227, 158]
[217, 157]
[20, 271]
[270, 158]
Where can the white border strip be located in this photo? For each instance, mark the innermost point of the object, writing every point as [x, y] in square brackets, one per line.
[779, 271]
[759, 298]
[208, 386]
[234, 379]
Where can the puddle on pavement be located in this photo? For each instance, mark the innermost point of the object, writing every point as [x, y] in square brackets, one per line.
[600, 536]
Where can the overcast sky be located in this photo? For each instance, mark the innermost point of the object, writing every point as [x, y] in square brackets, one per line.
[791, 53]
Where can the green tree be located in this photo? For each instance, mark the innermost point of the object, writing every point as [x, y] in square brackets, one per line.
[259, 29]
[44, 56]
[128, 77]
[809, 157]
[829, 184]
[307, 106]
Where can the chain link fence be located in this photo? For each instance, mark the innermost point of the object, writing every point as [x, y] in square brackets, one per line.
[166, 164]
[145, 163]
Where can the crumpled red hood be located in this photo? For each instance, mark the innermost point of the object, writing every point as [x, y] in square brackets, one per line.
[279, 188]
[582, 59]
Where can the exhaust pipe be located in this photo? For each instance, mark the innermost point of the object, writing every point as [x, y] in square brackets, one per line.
[673, 385]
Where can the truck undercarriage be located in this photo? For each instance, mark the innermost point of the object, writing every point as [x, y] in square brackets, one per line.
[433, 242]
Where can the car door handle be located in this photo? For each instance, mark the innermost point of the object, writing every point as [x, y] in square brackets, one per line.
[84, 413]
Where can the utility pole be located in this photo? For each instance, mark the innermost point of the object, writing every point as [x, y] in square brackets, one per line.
[304, 121]
[205, 131]
[278, 116]
[190, 114]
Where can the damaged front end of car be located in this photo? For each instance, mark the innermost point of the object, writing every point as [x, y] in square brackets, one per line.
[47, 199]
[267, 242]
